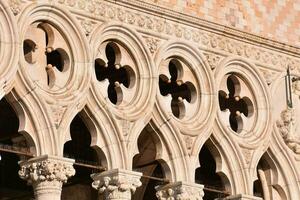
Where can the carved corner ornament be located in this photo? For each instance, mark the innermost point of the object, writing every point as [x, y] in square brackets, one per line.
[47, 169]
[180, 191]
[117, 183]
[152, 44]
[286, 126]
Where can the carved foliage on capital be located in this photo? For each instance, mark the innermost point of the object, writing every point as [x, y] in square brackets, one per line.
[40, 170]
[117, 184]
[180, 191]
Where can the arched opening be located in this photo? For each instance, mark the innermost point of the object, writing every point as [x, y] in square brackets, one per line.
[214, 183]
[13, 148]
[147, 163]
[264, 186]
[87, 162]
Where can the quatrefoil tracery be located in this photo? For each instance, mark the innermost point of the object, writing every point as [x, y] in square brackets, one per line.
[182, 92]
[115, 67]
[239, 107]
[47, 54]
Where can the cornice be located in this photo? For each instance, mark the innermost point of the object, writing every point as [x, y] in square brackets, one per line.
[199, 23]
[162, 23]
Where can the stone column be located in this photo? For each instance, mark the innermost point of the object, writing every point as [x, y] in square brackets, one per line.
[242, 197]
[180, 191]
[116, 184]
[47, 174]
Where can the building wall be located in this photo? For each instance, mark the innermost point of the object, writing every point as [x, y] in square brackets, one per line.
[278, 20]
[116, 109]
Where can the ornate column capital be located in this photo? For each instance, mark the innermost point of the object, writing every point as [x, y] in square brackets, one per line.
[117, 184]
[242, 197]
[47, 174]
[180, 191]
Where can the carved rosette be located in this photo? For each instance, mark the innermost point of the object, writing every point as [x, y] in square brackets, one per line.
[180, 191]
[286, 126]
[117, 184]
[47, 174]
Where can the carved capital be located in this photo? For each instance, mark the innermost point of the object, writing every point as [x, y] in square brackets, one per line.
[180, 191]
[47, 174]
[47, 168]
[117, 184]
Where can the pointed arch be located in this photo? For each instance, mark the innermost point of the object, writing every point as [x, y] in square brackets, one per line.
[103, 132]
[280, 175]
[270, 183]
[170, 146]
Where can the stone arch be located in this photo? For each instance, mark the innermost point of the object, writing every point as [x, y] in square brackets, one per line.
[271, 178]
[64, 23]
[169, 150]
[89, 158]
[151, 161]
[9, 50]
[283, 175]
[199, 71]
[255, 89]
[52, 105]
[17, 144]
[227, 164]
[139, 97]
[103, 135]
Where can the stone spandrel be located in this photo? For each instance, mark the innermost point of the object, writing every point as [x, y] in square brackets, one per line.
[47, 174]
[117, 184]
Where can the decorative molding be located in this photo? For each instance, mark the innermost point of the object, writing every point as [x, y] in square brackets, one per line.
[268, 75]
[247, 155]
[152, 43]
[117, 183]
[207, 35]
[188, 142]
[58, 111]
[286, 126]
[15, 6]
[212, 59]
[87, 26]
[180, 191]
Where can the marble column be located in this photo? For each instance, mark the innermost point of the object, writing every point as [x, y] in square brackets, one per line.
[47, 174]
[116, 184]
[180, 191]
[242, 197]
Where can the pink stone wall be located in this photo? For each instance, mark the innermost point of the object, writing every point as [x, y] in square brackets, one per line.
[275, 19]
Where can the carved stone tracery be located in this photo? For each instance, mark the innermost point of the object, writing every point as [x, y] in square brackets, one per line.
[236, 104]
[47, 55]
[114, 71]
[175, 82]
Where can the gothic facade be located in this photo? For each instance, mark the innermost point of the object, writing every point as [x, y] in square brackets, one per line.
[129, 99]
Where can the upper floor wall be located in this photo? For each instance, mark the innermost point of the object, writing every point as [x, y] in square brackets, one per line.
[275, 19]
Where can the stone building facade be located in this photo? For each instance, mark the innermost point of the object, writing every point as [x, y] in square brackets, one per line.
[149, 99]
